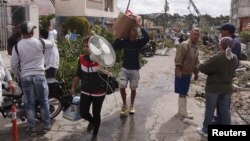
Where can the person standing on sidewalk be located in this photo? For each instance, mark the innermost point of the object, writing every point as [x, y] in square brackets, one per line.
[52, 34]
[27, 63]
[93, 89]
[220, 70]
[186, 63]
[130, 66]
[13, 40]
[51, 56]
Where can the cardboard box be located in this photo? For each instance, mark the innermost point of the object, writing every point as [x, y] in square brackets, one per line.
[123, 25]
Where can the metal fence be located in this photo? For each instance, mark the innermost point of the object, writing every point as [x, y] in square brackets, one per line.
[3, 25]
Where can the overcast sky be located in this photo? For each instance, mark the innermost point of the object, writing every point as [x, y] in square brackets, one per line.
[211, 7]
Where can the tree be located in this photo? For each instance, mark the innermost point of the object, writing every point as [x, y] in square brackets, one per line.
[80, 24]
[44, 21]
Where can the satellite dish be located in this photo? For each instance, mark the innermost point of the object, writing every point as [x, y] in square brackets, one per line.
[102, 51]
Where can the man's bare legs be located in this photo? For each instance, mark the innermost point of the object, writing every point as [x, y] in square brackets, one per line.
[123, 95]
[133, 94]
[124, 108]
[124, 101]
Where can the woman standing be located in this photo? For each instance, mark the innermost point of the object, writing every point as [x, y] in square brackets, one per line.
[220, 70]
[93, 89]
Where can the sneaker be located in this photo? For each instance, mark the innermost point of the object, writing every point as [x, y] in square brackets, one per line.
[124, 110]
[201, 132]
[132, 110]
[47, 127]
[90, 127]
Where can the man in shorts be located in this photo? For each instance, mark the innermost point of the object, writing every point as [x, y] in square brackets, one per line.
[130, 66]
[186, 64]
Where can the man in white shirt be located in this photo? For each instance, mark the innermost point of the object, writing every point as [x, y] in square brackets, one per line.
[52, 34]
[51, 56]
[27, 62]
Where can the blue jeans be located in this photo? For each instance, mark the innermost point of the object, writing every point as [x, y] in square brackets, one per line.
[222, 102]
[35, 88]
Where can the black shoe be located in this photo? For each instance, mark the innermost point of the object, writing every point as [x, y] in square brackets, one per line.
[90, 127]
[33, 131]
[46, 128]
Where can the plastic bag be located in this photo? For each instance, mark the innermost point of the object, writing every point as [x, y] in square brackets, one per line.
[72, 113]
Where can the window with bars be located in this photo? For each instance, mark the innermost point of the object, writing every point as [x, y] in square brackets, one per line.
[109, 5]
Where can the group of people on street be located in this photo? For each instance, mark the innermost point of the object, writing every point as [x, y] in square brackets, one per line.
[31, 70]
[43, 61]
[220, 70]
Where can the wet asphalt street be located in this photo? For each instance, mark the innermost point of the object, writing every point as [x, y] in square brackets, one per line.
[155, 118]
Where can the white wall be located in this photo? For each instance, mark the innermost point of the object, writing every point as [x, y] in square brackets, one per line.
[239, 9]
[33, 17]
[79, 8]
[70, 7]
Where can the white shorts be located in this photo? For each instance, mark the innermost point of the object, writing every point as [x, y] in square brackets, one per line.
[131, 76]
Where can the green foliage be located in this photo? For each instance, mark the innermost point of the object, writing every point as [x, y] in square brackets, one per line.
[44, 21]
[152, 35]
[104, 33]
[187, 20]
[165, 43]
[78, 24]
[245, 36]
[68, 60]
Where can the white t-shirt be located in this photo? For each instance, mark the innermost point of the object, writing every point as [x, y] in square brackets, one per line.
[53, 35]
[176, 41]
[51, 56]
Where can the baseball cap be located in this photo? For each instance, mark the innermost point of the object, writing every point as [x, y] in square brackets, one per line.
[228, 27]
[27, 27]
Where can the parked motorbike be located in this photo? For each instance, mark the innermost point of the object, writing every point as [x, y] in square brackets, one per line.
[149, 49]
[57, 101]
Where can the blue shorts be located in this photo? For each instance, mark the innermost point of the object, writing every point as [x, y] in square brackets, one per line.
[182, 84]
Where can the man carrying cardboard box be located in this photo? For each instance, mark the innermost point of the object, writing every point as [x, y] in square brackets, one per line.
[131, 65]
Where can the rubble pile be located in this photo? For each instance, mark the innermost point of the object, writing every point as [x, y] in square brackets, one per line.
[242, 77]
[241, 105]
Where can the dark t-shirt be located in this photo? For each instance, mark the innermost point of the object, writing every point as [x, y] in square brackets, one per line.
[12, 41]
[131, 50]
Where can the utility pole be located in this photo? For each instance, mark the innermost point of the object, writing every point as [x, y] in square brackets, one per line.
[200, 19]
[166, 8]
[128, 5]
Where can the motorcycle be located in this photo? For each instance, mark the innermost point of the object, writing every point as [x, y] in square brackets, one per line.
[59, 99]
[149, 49]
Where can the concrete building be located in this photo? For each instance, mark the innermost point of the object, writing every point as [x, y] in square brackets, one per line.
[14, 12]
[240, 13]
[90, 8]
